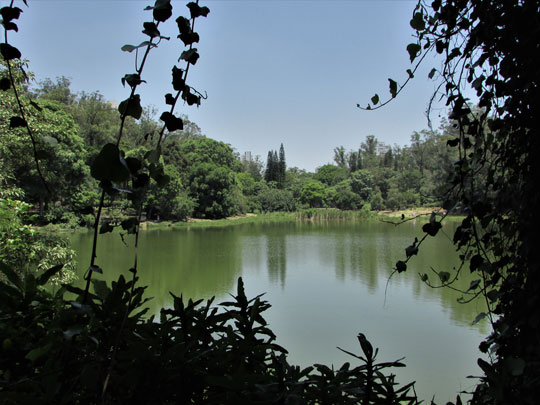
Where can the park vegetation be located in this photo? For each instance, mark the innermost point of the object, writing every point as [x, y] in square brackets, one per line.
[206, 178]
[68, 158]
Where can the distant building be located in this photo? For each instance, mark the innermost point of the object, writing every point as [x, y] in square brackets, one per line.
[246, 157]
[381, 148]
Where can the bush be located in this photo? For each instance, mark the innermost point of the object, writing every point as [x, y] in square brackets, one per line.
[103, 350]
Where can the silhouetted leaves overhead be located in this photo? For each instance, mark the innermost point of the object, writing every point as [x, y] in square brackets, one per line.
[172, 122]
[431, 228]
[131, 48]
[150, 29]
[190, 56]
[162, 10]
[132, 80]
[5, 84]
[417, 22]
[184, 26]
[178, 81]
[10, 13]
[15, 122]
[393, 87]
[131, 107]
[197, 11]
[401, 266]
[109, 165]
[414, 50]
[9, 52]
[169, 99]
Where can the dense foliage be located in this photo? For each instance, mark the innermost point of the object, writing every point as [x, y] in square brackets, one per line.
[208, 180]
[97, 345]
[491, 48]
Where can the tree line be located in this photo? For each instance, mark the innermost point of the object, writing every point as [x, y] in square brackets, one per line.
[205, 178]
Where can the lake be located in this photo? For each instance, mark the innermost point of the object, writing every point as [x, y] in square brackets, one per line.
[326, 283]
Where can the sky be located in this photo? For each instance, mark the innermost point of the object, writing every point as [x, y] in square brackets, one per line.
[275, 71]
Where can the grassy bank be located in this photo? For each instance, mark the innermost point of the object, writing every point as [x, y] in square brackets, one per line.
[305, 215]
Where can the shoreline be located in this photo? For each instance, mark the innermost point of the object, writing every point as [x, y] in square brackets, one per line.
[312, 214]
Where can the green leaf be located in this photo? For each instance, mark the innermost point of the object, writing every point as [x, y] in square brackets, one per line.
[10, 13]
[134, 165]
[11, 275]
[178, 79]
[474, 285]
[100, 288]
[131, 107]
[9, 52]
[150, 29]
[130, 225]
[5, 84]
[50, 141]
[366, 346]
[184, 26]
[131, 48]
[444, 276]
[414, 50]
[401, 266]
[479, 317]
[515, 365]
[375, 99]
[74, 331]
[42, 279]
[169, 99]
[106, 227]
[189, 38]
[39, 352]
[432, 228]
[132, 80]
[157, 173]
[493, 295]
[162, 10]
[109, 165]
[190, 56]
[411, 251]
[197, 11]
[35, 105]
[153, 155]
[16, 122]
[95, 269]
[417, 22]
[190, 98]
[172, 122]
[10, 26]
[393, 87]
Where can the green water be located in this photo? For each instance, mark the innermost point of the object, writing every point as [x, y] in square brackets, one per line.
[326, 283]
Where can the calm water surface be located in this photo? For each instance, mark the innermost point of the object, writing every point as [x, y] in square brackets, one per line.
[326, 283]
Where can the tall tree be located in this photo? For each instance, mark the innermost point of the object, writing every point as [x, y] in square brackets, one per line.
[282, 166]
[492, 48]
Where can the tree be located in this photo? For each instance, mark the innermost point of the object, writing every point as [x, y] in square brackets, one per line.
[61, 153]
[282, 166]
[340, 157]
[169, 201]
[363, 184]
[330, 174]
[486, 45]
[314, 194]
[343, 197]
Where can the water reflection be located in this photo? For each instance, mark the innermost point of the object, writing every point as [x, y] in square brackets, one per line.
[326, 283]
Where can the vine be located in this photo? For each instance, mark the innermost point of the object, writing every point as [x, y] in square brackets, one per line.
[487, 46]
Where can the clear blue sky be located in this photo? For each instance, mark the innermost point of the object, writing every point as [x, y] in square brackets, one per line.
[275, 71]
